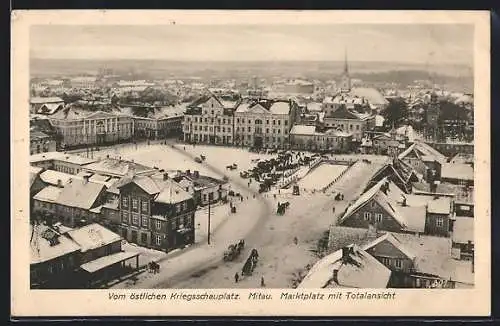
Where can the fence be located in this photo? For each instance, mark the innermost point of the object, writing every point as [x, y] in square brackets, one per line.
[351, 164]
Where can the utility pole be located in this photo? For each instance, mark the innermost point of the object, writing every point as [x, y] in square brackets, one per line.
[209, 216]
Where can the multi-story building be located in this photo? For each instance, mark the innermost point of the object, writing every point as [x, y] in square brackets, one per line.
[59, 161]
[83, 82]
[158, 124]
[350, 121]
[46, 105]
[210, 120]
[156, 212]
[79, 127]
[255, 123]
[264, 124]
[305, 137]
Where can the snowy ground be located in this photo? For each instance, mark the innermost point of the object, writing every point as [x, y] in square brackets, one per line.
[321, 176]
[146, 255]
[201, 265]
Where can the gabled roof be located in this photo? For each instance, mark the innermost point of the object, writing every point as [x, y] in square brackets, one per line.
[164, 191]
[42, 251]
[463, 230]
[48, 194]
[363, 199]
[343, 113]
[458, 171]
[394, 241]
[93, 236]
[34, 172]
[50, 108]
[360, 270]
[80, 194]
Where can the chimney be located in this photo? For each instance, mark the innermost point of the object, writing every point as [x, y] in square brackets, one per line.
[196, 174]
[165, 176]
[85, 179]
[107, 156]
[188, 172]
[336, 276]
[59, 183]
[345, 253]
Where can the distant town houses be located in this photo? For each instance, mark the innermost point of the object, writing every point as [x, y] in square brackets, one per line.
[40, 142]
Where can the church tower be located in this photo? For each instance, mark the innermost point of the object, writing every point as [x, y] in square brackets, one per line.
[345, 80]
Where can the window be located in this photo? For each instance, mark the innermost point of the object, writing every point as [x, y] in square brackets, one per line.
[144, 237]
[286, 122]
[228, 129]
[135, 204]
[135, 219]
[124, 202]
[125, 217]
[224, 121]
[174, 224]
[249, 121]
[368, 216]
[144, 206]
[249, 129]
[267, 130]
[398, 263]
[274, 122]
[267, 122]
[378, 217]
[158, 240]
[357, 127]
[145, 221]
[158, 225]
[439, 222]
[178, 208]
[238, 120]
[279, 122]
[223, 129]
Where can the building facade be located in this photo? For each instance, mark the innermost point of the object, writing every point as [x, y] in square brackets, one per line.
[210, 120]
[76, 127]
[41, 143]
[156, 213]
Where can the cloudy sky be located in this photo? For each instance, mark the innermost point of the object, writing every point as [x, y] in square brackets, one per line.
[388, 43]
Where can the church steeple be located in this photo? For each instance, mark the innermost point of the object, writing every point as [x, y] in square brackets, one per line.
[346, 65]
[345, 79]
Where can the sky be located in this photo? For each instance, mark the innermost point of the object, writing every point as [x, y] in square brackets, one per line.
[411, 43]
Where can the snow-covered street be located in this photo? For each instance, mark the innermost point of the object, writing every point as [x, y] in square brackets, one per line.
[256, 221]
[321, 176]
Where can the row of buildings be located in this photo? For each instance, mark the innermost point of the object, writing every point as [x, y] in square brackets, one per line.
[147, 206]
[399, 234]
[70, 126]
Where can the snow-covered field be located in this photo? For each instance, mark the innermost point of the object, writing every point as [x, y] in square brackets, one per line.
[321, 176]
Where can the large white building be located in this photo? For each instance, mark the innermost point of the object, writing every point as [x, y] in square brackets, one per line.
[253, 123]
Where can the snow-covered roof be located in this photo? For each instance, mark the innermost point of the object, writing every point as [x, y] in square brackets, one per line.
[392, 240]
[303, 130]
[358, 270]
[379, 120]
[42, 250]
[166, 191]
[458, 171]
[48, 194]
[79, 193]
[371, 94]
[463, 230]
[117, 167]
[45, 100]
[314, 106]
[280, 108]
[52, 177]
[60, 156]
[93, 236]
[49, 108]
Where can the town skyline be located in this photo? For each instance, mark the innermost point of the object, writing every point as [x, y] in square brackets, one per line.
[423, 43]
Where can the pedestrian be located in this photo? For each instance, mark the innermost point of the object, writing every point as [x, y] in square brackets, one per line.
[236, 278]
[295, 240]
[262, 282]
[333, 210]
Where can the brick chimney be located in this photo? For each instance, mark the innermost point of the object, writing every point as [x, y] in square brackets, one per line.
[336, 276]
[345, 253]
[59, 183]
